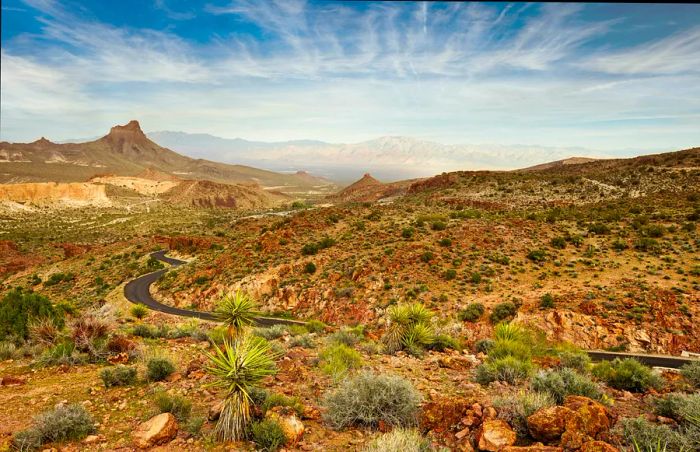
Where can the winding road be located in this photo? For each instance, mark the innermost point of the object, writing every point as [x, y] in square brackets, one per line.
[139, 291]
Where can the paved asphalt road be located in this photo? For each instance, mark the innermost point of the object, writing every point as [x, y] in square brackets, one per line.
[138, 291]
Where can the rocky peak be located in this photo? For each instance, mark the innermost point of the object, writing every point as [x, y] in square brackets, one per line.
[42, 142]
[132, 127]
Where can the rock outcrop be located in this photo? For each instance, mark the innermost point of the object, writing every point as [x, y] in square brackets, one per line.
[156, 431]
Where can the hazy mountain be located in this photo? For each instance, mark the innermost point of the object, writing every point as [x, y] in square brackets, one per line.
[389, 158]
[127, 151]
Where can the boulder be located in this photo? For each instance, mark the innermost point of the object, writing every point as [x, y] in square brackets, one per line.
[548, 424]
[598, 446]
[495, 435]
[287, 419]
[12, 380]
[445, 413]
[594, 415]
[157, 430]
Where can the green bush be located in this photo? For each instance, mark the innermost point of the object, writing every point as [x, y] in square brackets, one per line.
[407, 233]
[503, 311]
[442, 342]
[315, 326]
[368, 399]
[179, 406]
[483, 345]
[143, 330]
[515, 408]
[508, 369]
[558, 242]
[599, 229]
[337, 359]
[62, 353]
[268, 435]
[564, 382]
[547, 301]
[272, 332]
[645, 436]
[537, 255]
[310, 268]
[118, 376]
[58, 278]
[64, 423]
[345, 336]
[8, 350]
[472, 312]
[399, 440]
[450, 274]
[628, 374]
[18, 306]
[509, 347]
[439, 226]
[691, 372]
[159, 368]
[273, 400]
[579, 361]
[139, 311]
[683, 408]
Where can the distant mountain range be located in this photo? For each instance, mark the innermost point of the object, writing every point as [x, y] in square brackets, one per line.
[388, 158]
[127, 151]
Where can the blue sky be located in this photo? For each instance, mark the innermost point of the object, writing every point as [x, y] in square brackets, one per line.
[611, 78]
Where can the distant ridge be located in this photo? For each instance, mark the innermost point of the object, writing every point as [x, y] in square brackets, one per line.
[369, 189]
[563, 162]
[127, 151]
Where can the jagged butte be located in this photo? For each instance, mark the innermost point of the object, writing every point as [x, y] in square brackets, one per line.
[369, 189]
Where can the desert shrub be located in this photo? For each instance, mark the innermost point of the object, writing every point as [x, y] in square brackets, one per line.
[483, 345]
[139, 311]
[407, 233]
[8, 350]
[691, 372]
[399, 440]
[472, 312]
[427, 256]
[194, 425]
[599, 229]
[58, 278]
[310, 268]
[18, 306]
[64, 423]
[547, 301]
[563, 382]
[510, 332]
[446, 242]
[62, 353]
[558, 242]
[272, 332]
[646, 244]
[345, 336]
[450, 274]
[143, 330]
[645, 436]
[118, 376]
[177, 405]
[628, 374]
[315, 326]
[683, 408]
[438, 226]
[537, 255]
[503, 311]
[44, 331]
[159, 368]
[442, 342]
[89, 333]
[508, 369]
[368, 398]
[619, 245]
[509, 347]
[267, 435]
[303, 341]
[274, 399]
[579, 361]
[337, 359]
[515, 408]
[409, 329]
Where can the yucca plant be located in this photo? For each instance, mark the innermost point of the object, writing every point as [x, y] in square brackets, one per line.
[238, 367]
[509, 331]
[237, 311]
[409, 328]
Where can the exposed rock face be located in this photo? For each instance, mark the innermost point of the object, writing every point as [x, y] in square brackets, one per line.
[290, 423]
[548, 424]
[495, 435]
[580, 421]
[598, 446]
[539, 447]
[71, 194]
[158, 430]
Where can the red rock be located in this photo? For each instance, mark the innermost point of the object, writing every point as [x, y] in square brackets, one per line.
[290, 423]
[594, 415]
[538, 447]
[442, 414]
[495, 435]
[158, 430]
[12, 380]
[598, 446]
[548, 424]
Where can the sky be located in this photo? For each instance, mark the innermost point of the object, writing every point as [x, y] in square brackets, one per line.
[618, 78]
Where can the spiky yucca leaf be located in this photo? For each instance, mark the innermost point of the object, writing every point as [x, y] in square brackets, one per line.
[418, 335]
[509, 331]
[237, 367]
[237, 311]
[418, 313]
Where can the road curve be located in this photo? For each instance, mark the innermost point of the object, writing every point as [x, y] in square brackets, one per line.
[139, 291]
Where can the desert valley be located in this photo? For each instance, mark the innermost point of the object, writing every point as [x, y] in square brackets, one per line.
[452, 311]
